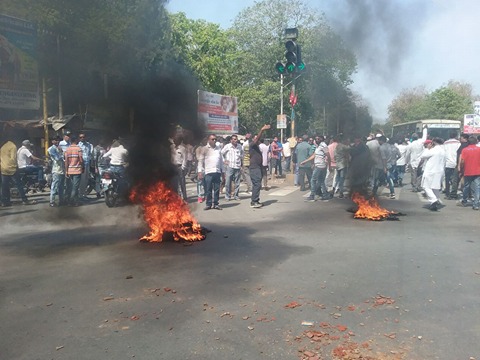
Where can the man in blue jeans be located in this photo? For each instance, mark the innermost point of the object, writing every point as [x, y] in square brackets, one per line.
[256, 168]
[210, 163]
[470, 167]
[322, 162]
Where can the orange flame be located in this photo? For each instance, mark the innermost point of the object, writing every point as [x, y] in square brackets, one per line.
[165, 211]
[369, 208]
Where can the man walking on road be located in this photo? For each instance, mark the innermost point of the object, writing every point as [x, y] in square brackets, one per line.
[433, 171]
[256, 168]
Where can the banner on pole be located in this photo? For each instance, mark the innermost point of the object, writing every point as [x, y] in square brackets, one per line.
[281, 121]
[219, 113]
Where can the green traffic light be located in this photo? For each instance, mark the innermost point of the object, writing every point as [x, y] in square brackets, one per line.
[280, 68]
[290, 67]
[301, 66]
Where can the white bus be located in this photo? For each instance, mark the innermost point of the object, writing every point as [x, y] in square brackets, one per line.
[436, 128]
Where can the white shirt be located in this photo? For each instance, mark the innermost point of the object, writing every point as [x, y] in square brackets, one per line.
[118, 155]
[451, 146]
[264, 149]
[287, 150]
[210, 160]
[233, 155]
[24, 157]
[179, 155]
[434, 167]
[402, 148]
[415, 149]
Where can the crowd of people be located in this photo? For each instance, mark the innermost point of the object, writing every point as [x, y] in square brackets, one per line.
[71, 160]
[327, 166]
[324, 166]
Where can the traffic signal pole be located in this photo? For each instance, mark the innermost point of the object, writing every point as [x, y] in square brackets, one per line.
[281, 104]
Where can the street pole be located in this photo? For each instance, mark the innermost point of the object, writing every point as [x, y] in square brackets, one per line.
[45, 116]
[281, 104]
[60, 100]
[292, 120]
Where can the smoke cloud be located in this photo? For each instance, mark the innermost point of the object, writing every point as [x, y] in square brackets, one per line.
[380, 33]
[162, 106]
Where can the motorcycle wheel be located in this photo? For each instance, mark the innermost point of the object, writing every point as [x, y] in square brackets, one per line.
[110, 198]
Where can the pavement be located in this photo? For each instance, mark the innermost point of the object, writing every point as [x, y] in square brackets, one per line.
[291, 280]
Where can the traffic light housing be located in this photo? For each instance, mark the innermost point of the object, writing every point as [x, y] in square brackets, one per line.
[280, 67]
[300, 64]
[291, 56]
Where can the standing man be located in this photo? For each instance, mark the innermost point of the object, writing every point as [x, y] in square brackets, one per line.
[179, 159]
[210, 163]
[87, 151]
[276, 150]
[401, 161]
[342, 158]
[287, 155]
[200, 181]
[433, 171]
[264, 150]
[58, 172]
[451, 147]
[246, 162]
[332, 175]
[65, 143]
[303, 151]
[322, 163]
[101, 164]
[470, 166]
[232, 154]
[379, 169]
[257, 168]
[73, 171]
[8, 171]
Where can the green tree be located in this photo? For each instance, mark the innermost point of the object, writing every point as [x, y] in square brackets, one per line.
[204, 48]
[446, 103]
[410, 104]
[258, 34]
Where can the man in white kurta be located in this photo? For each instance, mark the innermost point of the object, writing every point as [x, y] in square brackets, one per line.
[433, 171]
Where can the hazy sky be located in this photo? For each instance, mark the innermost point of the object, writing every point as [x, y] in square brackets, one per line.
[399, 44]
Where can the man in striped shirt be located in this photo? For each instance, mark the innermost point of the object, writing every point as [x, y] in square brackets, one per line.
[232, 154]
[73, 171]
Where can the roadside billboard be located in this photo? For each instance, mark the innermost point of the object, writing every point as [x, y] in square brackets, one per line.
[219, 113]
[471, 122]
[18, 64]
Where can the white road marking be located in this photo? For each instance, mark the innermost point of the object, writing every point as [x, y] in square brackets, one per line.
[282, 192]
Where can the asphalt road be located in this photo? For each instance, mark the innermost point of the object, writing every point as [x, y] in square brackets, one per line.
[75, 283]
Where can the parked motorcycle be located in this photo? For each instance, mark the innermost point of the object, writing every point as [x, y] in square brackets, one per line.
[115, 188]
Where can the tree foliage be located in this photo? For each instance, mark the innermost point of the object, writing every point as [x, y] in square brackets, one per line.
[258, 32]
[447, 102]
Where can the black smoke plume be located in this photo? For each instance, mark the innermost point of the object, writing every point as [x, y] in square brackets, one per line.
[379, 32]
[164, 105]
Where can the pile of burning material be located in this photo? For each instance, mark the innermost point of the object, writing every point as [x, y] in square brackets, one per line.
[166, 213]
[368, 208]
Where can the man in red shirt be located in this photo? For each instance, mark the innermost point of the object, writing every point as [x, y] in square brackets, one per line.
[469, 166]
